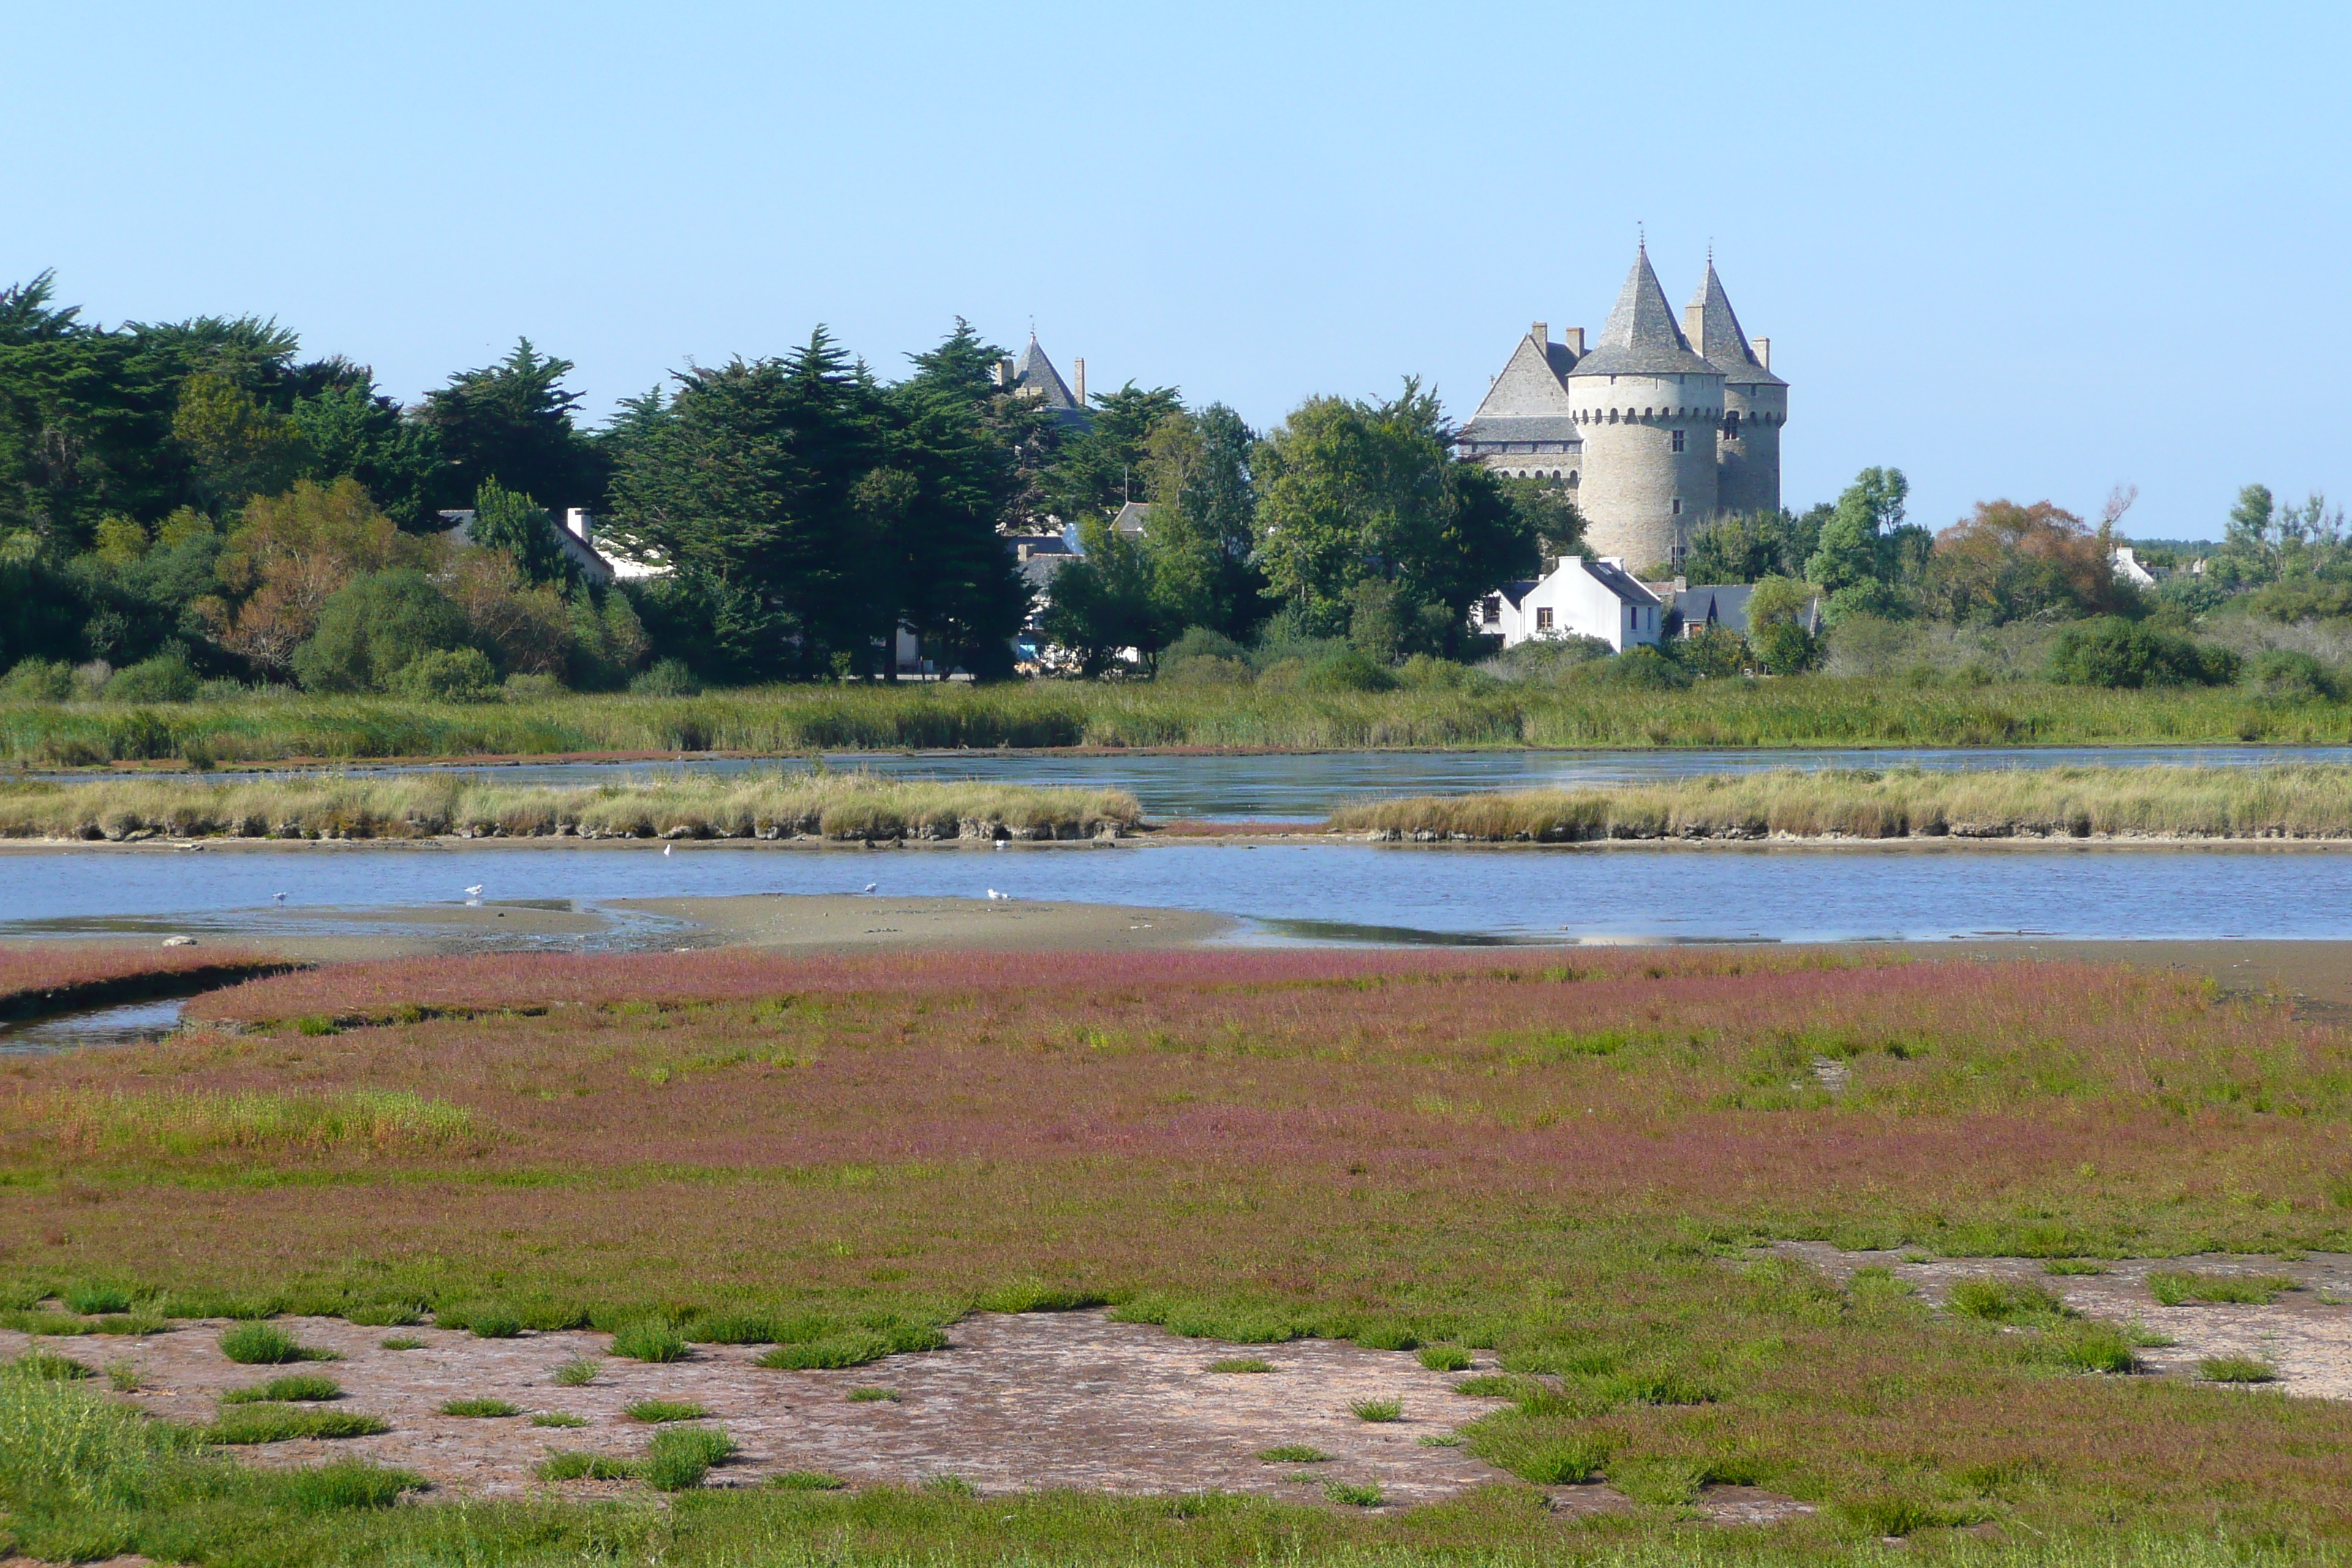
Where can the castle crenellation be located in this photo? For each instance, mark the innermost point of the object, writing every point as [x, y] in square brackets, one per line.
[1660, 427]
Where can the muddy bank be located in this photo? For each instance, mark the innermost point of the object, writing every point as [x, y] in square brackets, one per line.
[853, 922]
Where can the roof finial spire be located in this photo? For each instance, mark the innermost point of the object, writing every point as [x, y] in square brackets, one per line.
[1641, 236]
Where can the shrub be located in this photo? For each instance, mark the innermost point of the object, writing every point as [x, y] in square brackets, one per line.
[244, 1423]
[2113, 652]
[2290, 675]
[166, 678]
[1348, 670]
[486, 1409]
[38, 681]
[266, 1344]
[656, 1411]
[446, 675]
[1378, 1409]
[300, 1387]
[1637, 669]
[649, 1339]
[681, 1456]
[1445, 1358]
[575, 1465]
[1352, 1496]
[93, 1300]
[668, 677]
[1294, 1453]
[1242, 1363]
[576, 1372]
[375, 627]
[53, 1367]
[2236, 1369]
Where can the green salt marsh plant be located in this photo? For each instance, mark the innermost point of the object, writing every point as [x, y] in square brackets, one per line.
[1445, 1358]
[657, 1411]
[1294, 1453]
[1378, 1409]
[578, 1372]
[295, 1388]
[558, 1418]
[1242, 1363]
[649, 1340]
[260, 1343]
[2236, 1369]
[485, 1409]
[2176, 1288]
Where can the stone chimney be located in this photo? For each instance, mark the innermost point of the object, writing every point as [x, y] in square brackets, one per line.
[1005, 374]
[1763, 347]
[578, 524]
[1078, 377]
[1574, 338]
[1695, 324]
[1540, 331]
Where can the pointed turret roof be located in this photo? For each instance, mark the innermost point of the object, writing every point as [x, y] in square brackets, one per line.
[1641, 338]
[1721, 341]
[1036, 373]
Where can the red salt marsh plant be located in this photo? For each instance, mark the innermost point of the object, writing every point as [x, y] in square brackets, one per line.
[44, 976]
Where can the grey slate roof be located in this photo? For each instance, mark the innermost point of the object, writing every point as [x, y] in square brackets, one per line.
[1530, 381]
[1515, 592]
[1037, 374]
[1133, 518]
[1641, 337]
[1722, 605]
[1721, 341]
[1628, 589]
[1551, 427]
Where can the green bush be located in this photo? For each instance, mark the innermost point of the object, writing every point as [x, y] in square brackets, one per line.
[38, 681]
[2285, 674]
[248, 1424]
[2113, 652]
[2003, 1300]
[1445, 1357]
[96, 1301]
[650, 1339]
[668, 677]
[166, 678]
[480, 1409]
[1348, 670]
[446, 675]
[1639, 668]
[375, 627]
[265, 1345]
[295, 1388]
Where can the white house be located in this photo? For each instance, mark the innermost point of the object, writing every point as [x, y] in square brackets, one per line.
[2131, 568]
[1584, 596]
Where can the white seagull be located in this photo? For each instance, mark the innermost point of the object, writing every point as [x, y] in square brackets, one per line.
[665, 848]
[871, 886]
[276, 897]
[473, 893]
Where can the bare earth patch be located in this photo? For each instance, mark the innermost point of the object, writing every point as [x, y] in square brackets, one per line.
[1018, 1402]
[2306, 1333]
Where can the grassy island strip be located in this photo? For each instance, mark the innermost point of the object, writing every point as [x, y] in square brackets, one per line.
[2284, 802]
[772, 720]
[768, 805]
[50, 978]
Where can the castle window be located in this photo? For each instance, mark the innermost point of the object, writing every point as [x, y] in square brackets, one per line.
[1678, 506]
[1543, 617]
[1731, 424]
[1678, 440]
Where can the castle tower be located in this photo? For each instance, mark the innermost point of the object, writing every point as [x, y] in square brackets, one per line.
[1755, 401]
[1525, 427]
[1648, 408]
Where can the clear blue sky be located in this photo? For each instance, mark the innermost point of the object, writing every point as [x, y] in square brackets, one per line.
[2026, 250]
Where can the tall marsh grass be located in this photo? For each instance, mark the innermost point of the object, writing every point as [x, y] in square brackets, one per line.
[191, 1123]
[774, 720]
[2288, 801]
[849, 807]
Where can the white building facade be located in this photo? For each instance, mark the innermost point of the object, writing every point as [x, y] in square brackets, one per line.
[1582, 596]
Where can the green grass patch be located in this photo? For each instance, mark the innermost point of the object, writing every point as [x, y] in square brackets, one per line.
[657, 1411]
[247, 1423]
[267, 1344]
[1445, 1358]
[558, 1418]
[680, 1457]
[1378, 1409]
[486, 1409]
[51, 1365]
[872, 1397]
[807, 1482]
[649, 1340]
[1353, 1495]
[1242, 1363]
[300, 1387]
[1440, 1440]
[401, 1342]
[2236, 1369]
[578, 1373]
[1994, 1300]
[2070, 1267]
[576, 1465]
[1294, 1453]
[2175, 1288]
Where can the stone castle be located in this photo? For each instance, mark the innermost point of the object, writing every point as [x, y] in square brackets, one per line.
[1657, 428]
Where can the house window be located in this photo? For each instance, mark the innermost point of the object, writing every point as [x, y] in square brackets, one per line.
[1678, 506]
[1543, 617]
[1678, 440]
[1491, 612]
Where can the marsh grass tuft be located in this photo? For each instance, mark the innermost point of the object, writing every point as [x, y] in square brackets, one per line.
[188, 1123]
[1378, 1409]
[872, 1397]
[807, 1482]
[487, 1322]
[558, 1418]
[574, 1465]
[1351, 1495]
[1294, 1453]
[2178, 1288]
[1992, 1300]
[1494, 1385]
[1445, 1357]
[950, 1485]
[96, 1301]
[50, 1365]
[295, 1388]
[486, 1409]
[261, 1343]
[657, 1411]
[247, 1424]
[401, 1342]
[2236, 1369]
[649, 1340]
[2069, 1266]
[123, 1377]
[1440, 1440]
[578, 1372]
[1242, 1363]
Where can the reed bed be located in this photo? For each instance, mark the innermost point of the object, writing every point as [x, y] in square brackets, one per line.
[764, 806]
[2284, 802]
[776, 720]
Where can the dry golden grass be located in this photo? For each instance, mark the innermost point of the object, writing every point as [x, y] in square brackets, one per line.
[2296, 801]
[752, 805]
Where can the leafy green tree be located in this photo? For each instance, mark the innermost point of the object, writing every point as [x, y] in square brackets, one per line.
[1747, 547]
[1852, 548]
[1101, 467]
[85, 422]
[1203, 528]
[513, 422]
[372, 628]
[353, 430]
[509, 522]
[237, 445]
[1780, 617]
[1350, 491]
[2115, 652]
[1108, 600]
[1547, 510]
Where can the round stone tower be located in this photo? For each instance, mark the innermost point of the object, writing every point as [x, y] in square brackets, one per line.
[1648, 408]
[1755, 401]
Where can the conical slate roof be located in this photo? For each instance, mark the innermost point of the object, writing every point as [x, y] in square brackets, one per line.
[1036, 373]
[1721, 341]
[1641, 338]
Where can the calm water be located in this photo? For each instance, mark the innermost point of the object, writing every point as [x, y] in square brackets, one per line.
[1321, 892]
[1309, 784]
